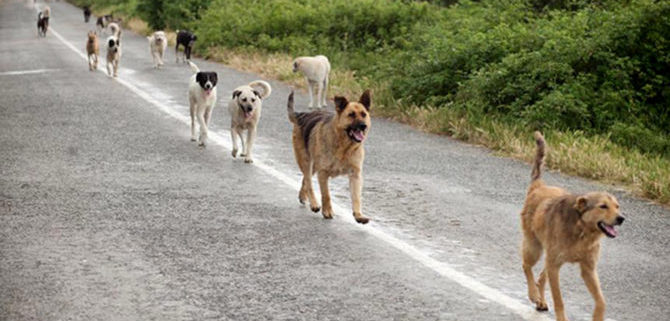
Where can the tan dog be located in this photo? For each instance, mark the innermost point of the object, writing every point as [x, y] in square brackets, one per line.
[569, 228]
[331, 145]
[245, 109]
[93, 50]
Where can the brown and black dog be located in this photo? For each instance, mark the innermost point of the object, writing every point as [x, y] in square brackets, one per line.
[92, 50]
[331, 144]
[569, 228]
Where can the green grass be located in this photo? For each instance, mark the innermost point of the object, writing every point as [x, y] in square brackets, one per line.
[592, 75]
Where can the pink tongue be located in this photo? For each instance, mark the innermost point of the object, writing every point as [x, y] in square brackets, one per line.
[610, 230]
[247, 114]
[358, 135]
[208, 91]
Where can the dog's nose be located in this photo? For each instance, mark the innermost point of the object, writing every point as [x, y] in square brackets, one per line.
[362, 126]
[207, 86]
[620, 219]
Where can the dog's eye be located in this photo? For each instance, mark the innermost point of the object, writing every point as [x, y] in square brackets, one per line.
[352, 114]
[244, 99]
[604, 206]
[363, 114]
[253, 100]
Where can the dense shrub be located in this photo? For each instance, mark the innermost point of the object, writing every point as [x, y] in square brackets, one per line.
[600, 67]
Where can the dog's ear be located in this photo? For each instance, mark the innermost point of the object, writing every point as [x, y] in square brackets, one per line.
[581, 204]
[340, 103]
[200, 78]
[194, 38]
[365, 99]
[236, 93]
[215, 78]
[257, 93]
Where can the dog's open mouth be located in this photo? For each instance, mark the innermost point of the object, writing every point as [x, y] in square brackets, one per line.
[208, 91]
[248, 114]
[607, 229]
[356, 134]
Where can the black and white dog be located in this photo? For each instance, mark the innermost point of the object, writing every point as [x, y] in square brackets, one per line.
[186, 39]
[201, 98]
[43, 21]
[113, 55]
[103, 21]
[87, 14]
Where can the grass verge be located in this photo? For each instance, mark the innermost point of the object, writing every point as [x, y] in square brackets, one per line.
[593, 157]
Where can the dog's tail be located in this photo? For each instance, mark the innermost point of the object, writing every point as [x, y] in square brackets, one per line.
[539, 157]
[289, 108]
[267, 90]
[193, 67]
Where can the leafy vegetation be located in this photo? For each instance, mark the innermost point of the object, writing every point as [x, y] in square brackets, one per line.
[586, 72]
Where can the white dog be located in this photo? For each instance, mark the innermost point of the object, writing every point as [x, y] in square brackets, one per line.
[113, 55]
[245, 111]
[201, 98]
[157, 44]
[316, 70]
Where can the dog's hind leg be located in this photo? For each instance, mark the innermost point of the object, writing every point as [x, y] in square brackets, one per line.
[590, 276]
[531, 250]
[355, 188]
[541, 282]
[191, 110]
[306, 191]
[319, 92]
[310, 84]
[327, 210]
[324, 96]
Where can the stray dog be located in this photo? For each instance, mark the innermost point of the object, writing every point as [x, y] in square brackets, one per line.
[157, 45]
[186, 39]
[93, 50]
[245, 111]
[316, 70]
[113, 55]
[87, 14]
[103, 21]
[114, 30]
[43, 21]
[569, 228]
[331, 145]
[201, 98]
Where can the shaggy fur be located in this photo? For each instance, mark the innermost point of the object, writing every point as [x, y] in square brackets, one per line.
[316, 70]
[157, 45]
[245, 109]
[331, 145]
[568, 228]
[202, 98]
[92, 50]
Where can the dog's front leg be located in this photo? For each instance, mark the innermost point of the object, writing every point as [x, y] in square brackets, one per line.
[319, 92]
[202, 141]
[590, 276]
[554, 284]
[327, 210]
[356, 187]
[233, 135]
[192, 112]
[251, 136]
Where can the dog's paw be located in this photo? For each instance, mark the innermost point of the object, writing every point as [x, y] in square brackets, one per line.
[315, 209]
[361, 219]
[542, 306]
[202, 144]
[248, 160]
[327, 213]
[193, 139]
[234, 152]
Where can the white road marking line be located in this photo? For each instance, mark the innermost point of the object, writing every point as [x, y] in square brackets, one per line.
[26, 72]
[524, 310]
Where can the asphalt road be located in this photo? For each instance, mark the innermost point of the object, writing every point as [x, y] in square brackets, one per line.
[109, 212]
